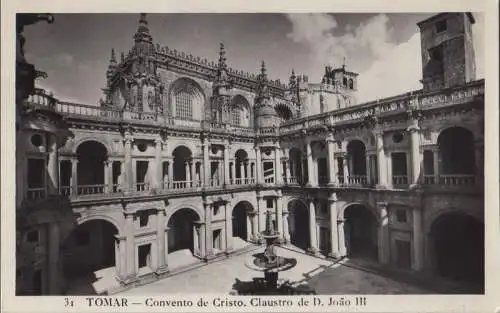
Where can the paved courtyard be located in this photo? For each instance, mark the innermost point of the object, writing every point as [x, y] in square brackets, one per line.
[325, 276]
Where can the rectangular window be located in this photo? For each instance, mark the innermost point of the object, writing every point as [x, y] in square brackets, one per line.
[401, 216]
[217, 239]
[184, 105]
[428, 162]
[143, 219]
[36, 173]
[269, 203]
[144, 255]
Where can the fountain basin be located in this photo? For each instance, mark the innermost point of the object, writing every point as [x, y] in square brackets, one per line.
[260, 263]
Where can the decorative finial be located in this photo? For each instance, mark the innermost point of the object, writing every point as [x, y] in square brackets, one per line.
[343, 64]
[263, 71]
[122, 57]
[222, 56]
[142, 33]
[113, 56]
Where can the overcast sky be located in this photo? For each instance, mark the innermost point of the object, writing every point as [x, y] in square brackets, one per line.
[383, 48]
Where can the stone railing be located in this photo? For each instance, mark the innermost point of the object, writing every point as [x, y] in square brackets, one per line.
[40, 98]
[400, 103]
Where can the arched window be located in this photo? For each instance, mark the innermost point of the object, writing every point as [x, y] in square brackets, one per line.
[236, 115]
[351, 84]
[187, 100]
[184, 104]
[345, 82]
[240, 112]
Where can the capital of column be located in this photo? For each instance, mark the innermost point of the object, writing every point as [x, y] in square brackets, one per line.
[330, 137]
[332, 197]
[413, 128]
[382, 205]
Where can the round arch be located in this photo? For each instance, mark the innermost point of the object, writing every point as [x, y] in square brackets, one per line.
[83, 140]
[242, 226]
[187, 99]
[283, 111]
[360, 231]
[181, 224]
[357, 151]
[199, 212]
[457, 247]
[181, 171]
[88, 253]
[453, 141]
[298, 223]
[91, 176]
[107, 218]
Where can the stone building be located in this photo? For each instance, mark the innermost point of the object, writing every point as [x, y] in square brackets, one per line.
[185, 155]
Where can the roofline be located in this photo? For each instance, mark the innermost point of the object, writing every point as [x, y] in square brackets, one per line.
[472, 20]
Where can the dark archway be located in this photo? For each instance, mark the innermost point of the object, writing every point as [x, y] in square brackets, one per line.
[90, 170]
[298, 224]
[296, 165]
[357, 156]
[241, 160]
[361, 232]
[458, 242]
[182, 156]
[453, 142]
[180, 233]
[240, 220]
[89, 248]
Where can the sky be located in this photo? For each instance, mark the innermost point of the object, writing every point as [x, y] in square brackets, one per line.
[383, 48]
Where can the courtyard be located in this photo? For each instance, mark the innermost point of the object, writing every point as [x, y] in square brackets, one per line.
[325, 276]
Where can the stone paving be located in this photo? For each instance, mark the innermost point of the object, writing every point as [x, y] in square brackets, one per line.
[324, 275]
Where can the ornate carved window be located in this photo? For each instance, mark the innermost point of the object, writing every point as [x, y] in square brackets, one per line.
[236, 115]
[187, 100]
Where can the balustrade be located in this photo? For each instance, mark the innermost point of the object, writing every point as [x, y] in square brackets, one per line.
[357, 180]
[399, 180]
[35, 193]
[90, 189]
[65, 191]
[457, 180]
[142, 186]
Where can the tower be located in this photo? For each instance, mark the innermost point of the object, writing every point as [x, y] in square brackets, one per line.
[221, 108]
[265, 115]
[338, 89]
[447, 50]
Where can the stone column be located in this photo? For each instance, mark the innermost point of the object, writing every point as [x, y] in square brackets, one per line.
[208, 230]
[52, 165]
[158, 175]
[247, 172]
[383, 240]
[435, 164]
[196, 239]
[206, 163]
[310, 165]
[334, 240]
[203, 236]
[416, 156]
[418, 240]
[229, 226]
[313, 249]
[345, 164]
[233, 172]
[170, 172]
[249, 226]
[121, 258]
[261, 215]
[286, 229]
[53, 258]
[258, 166]
[129, 179]
[242, 171]
[160, 241]
[287, 171]
[107, 176]
[74, 177]
[381, 159]
[341, 237]
[368, 170]
[131, 250]
[226, 164]
[254, 172]
[332, 176]
[279, 214]
[277, 164]
[192, 164]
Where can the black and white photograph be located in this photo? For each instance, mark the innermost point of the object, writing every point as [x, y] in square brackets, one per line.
[249, 154]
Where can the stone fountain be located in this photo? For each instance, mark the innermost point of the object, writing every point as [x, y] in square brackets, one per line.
[271, 264]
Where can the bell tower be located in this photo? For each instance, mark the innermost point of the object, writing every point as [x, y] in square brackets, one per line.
[447, 50]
